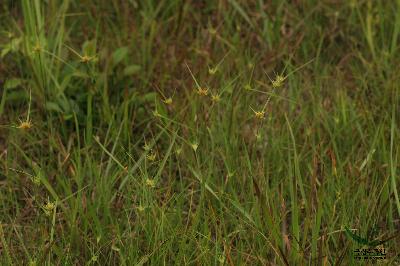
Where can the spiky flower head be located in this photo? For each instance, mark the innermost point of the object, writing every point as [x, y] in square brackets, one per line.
[146, 147]
[259, 114]
[151, 156]
[247, 87]
[215, 98]
[278, 81]
[37, 48]
[156, 113]
[202, 91]
[178, 151]
[194, 146]
[36, 180]
[49, 207]
[86, 59]
[212, 70]
[168, 101]
[25, 125]
[150, 182]
[140, 208]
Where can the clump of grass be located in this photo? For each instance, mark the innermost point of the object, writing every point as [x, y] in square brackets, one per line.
[103, 169]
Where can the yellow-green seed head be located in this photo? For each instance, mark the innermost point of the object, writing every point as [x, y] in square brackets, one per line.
[278, 81]
[259, 114]
[202, 91]
[150, 182]
[215, 98]
[168, 101]
[194, 146]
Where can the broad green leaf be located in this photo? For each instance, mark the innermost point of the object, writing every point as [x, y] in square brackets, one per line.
[149, 97]
[52, 106]
[119, 55]
[132, 69]
[12, 83]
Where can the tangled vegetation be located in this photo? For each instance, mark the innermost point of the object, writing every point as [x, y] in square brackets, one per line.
[173, 132]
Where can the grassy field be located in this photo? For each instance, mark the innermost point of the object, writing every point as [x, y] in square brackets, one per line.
[172, 132]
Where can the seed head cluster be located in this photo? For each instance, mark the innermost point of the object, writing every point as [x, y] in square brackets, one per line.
[25, 125]
[259, 114]
[278, 81]
[202, 91]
